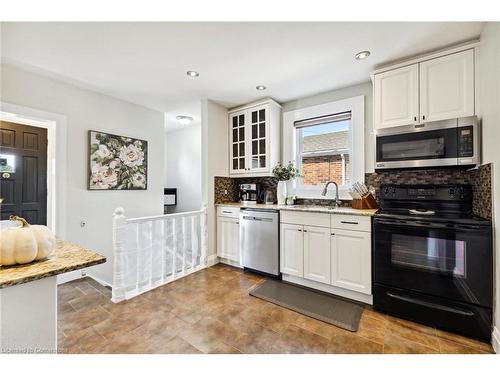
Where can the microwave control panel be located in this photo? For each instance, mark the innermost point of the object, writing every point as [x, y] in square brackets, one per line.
[465, 142]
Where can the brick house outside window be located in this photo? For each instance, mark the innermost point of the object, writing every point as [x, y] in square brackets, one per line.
[325, 157]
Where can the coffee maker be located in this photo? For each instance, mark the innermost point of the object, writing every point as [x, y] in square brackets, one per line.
[249, 193]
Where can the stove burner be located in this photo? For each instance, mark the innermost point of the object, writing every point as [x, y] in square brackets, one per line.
[422, 211]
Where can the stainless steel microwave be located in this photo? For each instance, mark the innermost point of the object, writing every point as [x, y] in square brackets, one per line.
[434, 144]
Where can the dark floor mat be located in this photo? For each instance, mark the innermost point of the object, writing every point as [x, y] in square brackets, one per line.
[327, 308]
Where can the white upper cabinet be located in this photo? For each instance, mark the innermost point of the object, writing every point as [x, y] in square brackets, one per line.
[292, 250]
[434, 88]
[237, 142]
[317, 254]
[254, 139]
[447, 87]
[396, 97]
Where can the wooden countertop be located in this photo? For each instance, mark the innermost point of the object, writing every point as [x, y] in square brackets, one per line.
[305, 208]
[68, 257]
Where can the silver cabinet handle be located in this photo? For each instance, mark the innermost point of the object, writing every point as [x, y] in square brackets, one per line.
[349, 222]
[226, 212]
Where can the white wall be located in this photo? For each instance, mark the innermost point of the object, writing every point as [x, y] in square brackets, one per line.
[215, 151]
[345, 93]
[183, 167]
[85, 110]
[489, 111]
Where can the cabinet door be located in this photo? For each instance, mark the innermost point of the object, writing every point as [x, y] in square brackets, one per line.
[351, 260]
[237, 142]
[259, 138]
[317, 254]
[447, 87]
[228, 238]
[396, 97]
[292, 250]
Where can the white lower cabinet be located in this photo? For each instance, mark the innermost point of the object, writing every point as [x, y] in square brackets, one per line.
[339, 260]
[292, 250]
[228, 238]
[351, 260]
[317, 254]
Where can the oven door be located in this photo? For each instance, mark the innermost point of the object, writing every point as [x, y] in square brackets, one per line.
[453, 262]
[418, 148]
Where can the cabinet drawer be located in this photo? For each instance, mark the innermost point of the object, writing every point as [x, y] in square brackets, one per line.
[228, 211]
[305, 218]
[352, 222]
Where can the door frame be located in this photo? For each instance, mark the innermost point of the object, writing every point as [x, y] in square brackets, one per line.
[56, 166]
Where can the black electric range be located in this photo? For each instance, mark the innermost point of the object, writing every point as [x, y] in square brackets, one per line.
[433, 259]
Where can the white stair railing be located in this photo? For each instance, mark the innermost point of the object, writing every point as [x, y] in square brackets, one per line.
[155, 250]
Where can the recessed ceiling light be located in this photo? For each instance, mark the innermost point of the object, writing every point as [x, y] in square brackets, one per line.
[261, 87]
[184, 120]
[362, 55]
[192, 73]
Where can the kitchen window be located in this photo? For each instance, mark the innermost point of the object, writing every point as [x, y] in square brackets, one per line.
[324, 149]
[327, 142]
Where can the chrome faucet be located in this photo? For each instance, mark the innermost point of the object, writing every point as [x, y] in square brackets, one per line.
[337, 200]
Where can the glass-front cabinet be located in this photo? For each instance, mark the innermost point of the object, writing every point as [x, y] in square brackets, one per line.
[254, 132]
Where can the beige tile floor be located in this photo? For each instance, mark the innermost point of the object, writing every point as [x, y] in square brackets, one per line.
[211, 312]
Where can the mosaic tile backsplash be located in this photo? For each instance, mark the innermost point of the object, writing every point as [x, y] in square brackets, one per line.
[479, 178]
[226, 188]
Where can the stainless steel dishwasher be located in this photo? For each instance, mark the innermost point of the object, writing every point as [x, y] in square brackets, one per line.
[259, 240]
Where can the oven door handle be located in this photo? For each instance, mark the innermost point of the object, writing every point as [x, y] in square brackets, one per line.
[430, 304]
[419, 224]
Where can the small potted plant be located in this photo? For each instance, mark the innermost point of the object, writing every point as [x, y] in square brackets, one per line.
[284, 174]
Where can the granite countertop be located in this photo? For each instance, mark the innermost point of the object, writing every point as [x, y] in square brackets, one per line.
[67, 257]
[306, 208]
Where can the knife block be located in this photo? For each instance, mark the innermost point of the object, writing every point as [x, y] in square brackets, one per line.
[366, 202]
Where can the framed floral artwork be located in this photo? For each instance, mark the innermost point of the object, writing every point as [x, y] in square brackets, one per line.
[117, 162]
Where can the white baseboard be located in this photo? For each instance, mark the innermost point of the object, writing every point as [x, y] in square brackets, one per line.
[230, 262]
[100, 281]
[69, 276]
[212, 259]
[495, 340]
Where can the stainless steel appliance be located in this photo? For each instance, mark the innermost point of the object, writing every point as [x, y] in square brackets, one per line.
[249, 193]
[434, 144]
[259, 240]
[432, 259]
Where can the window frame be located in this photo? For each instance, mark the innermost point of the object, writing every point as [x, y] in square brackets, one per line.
[355, 105]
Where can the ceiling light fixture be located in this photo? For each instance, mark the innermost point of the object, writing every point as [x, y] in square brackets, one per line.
[192, 74]
[261, 87]
[184, 120]
[362, 55]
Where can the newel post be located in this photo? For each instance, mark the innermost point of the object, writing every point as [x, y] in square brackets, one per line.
[119, 254]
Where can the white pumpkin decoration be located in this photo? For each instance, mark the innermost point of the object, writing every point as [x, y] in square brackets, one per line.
[26, 243]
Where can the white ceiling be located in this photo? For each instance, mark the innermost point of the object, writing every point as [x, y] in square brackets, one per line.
[192, 109]
[146, 63]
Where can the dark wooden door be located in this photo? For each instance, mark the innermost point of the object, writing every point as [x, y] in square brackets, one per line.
[23, 172]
